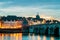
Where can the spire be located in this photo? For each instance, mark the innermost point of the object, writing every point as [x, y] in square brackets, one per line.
[37, 13]
[37, 16]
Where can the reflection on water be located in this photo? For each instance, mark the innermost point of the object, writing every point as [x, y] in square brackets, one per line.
[19, 36]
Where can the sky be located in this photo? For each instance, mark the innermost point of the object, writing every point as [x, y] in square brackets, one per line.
[30, 7]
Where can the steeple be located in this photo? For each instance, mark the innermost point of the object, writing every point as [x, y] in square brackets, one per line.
[37, 13]
[37, 16]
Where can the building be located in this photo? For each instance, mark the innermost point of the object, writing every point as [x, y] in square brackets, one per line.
[10, 22]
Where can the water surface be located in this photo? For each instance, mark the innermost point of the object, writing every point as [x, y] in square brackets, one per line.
[20, 36]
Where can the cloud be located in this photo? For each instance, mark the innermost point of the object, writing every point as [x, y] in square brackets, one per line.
[54, 7]
[5, 4]
[31, 7]
[29, 11]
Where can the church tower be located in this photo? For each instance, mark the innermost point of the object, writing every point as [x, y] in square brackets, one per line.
[37, 16]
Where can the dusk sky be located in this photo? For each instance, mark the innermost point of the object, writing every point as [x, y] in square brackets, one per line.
[30, 7]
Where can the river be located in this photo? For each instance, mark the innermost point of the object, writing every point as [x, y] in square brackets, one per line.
[20, 36]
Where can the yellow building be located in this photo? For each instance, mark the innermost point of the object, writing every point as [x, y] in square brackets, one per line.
[44, 21]
[0, 23]
[11, 24]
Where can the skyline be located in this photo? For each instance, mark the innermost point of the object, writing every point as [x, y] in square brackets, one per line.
[30, 7]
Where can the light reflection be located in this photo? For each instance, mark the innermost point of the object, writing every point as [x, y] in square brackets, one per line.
[16, 36]
[2, 36]
[44, 37]
[19, 36]
[30, 37]
[52, 38]
[39, 37]
[33, 37]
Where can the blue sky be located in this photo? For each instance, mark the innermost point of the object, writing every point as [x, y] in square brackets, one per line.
[30, 7]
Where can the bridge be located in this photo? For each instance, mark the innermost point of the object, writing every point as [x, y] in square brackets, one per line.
[42, 29]
[51, 29]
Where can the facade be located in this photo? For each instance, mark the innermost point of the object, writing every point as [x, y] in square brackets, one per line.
[17, 22]
[11, 24]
